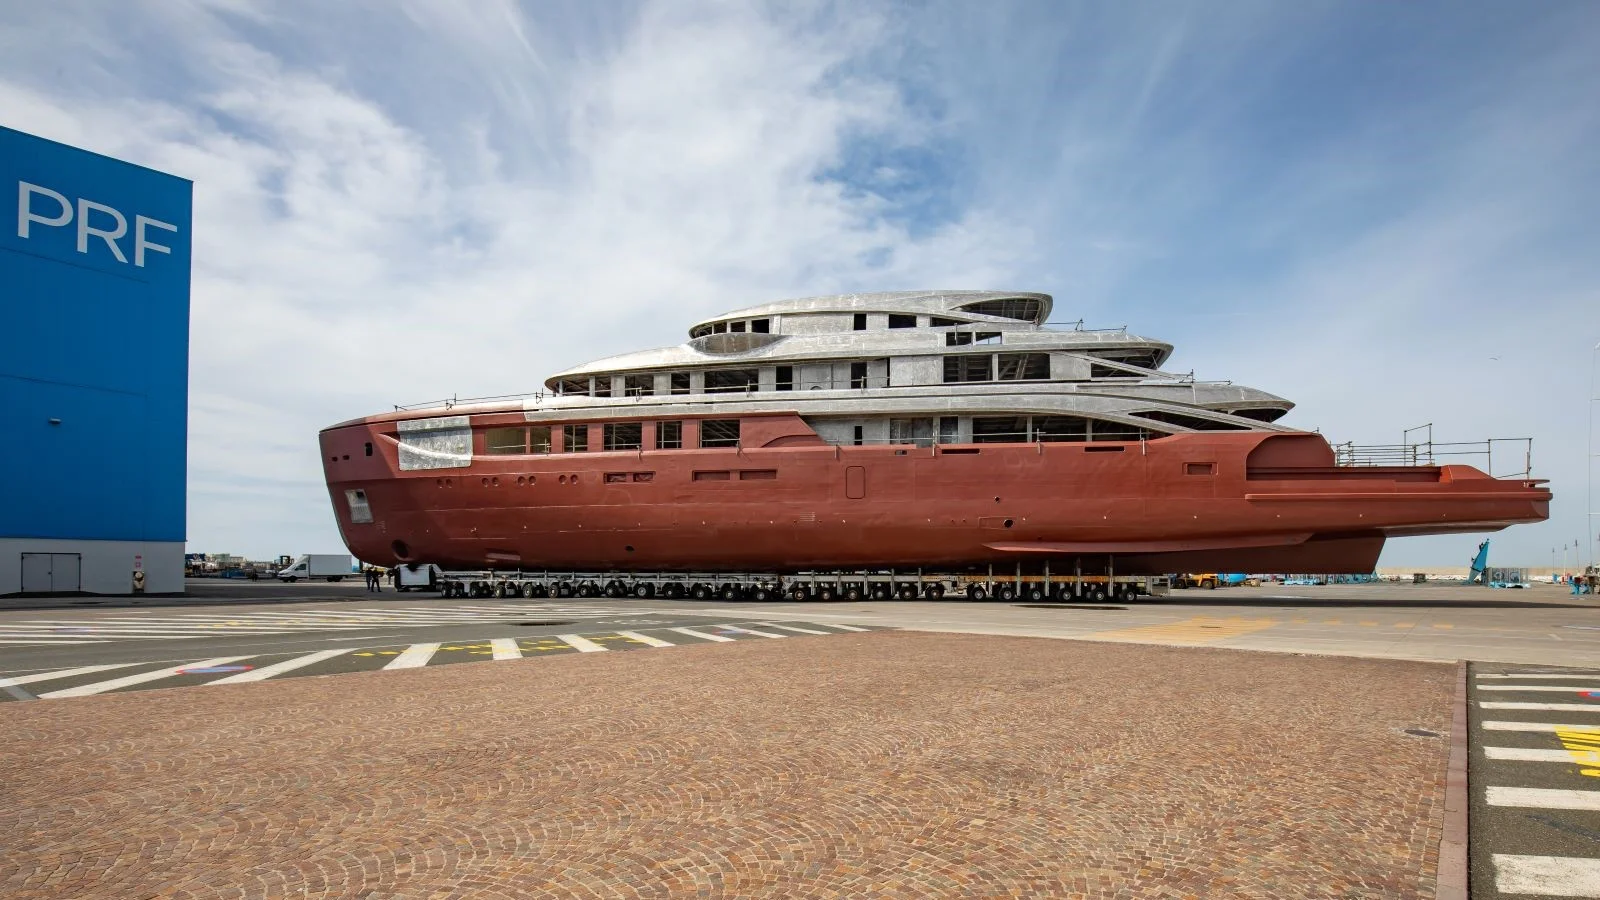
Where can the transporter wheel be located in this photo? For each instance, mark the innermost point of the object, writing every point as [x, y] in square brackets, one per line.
[1097, 594]
[613, 589]
[588, 589]
[1210, 584]
[500, 591]
[730, 593]
[936, 592]
[644, 591]
[701, 592]
[1035, 594]
[908, 592]
[827, 593]
[800, 593]
[764, 595]
[674, 591]
[564, 589]
[852, 594]
[1005, 593]
[978, 592]
[537, 590]
[879, 592]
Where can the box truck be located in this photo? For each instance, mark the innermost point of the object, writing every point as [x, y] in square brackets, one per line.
[332, 566]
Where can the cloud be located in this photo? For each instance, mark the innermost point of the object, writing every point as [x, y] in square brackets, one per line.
[395, 203]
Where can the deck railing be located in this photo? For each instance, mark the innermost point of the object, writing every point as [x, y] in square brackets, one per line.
[1427, 452]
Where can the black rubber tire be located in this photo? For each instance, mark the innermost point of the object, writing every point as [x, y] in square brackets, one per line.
[564, 590]
[730, 593]
[644, 591]
[978, 593]
[852, 594]
[1035, 594]
[1097, 594]
[800, 593]
[291, 579]
[1005, 593]
[701, 592]
[762, 595]
[826, 593]
[1210, 584]
[908, 592]
[587, 589]
[936, 592]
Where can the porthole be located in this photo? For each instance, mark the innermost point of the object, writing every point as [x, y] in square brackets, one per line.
[401, 551]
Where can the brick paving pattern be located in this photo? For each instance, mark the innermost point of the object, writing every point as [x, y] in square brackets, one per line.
[872, 765]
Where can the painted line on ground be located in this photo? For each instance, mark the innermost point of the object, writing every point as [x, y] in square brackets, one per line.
[848, 627]
[278, 668]
[1488, 675]
[505, 648]
[792, 628]
[49, 642]
[1539, 726]
[701, 635]
[757, 632]
[1565, 707]
[100, 687]
[1523, 754]
[1543, 798]
[1551, 876]
[1553, 688]
[413, 657]
[644, 639]
[580, 644]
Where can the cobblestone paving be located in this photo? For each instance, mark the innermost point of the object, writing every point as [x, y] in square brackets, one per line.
[872, 765]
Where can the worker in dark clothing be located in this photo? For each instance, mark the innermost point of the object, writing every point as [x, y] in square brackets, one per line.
[372, 579]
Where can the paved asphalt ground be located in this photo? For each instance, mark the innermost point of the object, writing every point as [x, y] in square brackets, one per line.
[1534, 824]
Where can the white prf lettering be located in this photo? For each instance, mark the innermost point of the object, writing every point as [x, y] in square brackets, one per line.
[110, 237]
[25, 216]
[140, 243]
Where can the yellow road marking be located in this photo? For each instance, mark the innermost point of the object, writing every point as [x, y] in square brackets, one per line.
[1330, 622]
[1198, 630]
[1444, 625]
[1369, 623]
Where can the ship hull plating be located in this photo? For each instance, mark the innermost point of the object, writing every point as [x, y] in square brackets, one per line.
[1230, 502]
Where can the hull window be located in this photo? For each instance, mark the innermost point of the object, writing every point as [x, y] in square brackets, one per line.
[963, 338]
[669, 435]
[949, 430]
[719, 433]
[680, 382]
[1195, 422]
[911, 431]
[539, 439]
[858, 374]
[1000, 430]
[575, 438]
[572, 386]
[1024, 366]
[859, 323]
[639, 385]
[1025, 309]
[968, 367]
[712, 476]
[761, 326]
[897, 320]
[624, 436]
[785, 378]
[505, 441]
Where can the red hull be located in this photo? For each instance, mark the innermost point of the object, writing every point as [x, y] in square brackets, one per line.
[1253, 501]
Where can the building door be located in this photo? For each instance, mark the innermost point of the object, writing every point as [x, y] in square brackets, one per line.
[51, 573]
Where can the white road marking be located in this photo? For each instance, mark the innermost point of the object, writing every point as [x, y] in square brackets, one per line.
[100, 687]
[413, 657]
[1557, 688]
[1567, 707]
[1521, 754]
[582, 645]
[701, 635]
[64, 673]
[847, 627]
[38, 642]
[278, 668]
[1543, 798]
[766, 634]
[505, 648]
[1538, 675]
[1539, 726]
[792, 628]
[644, 639]
[1551, 876]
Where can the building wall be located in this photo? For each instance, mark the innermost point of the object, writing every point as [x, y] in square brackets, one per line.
[94, 257]
[106, 567]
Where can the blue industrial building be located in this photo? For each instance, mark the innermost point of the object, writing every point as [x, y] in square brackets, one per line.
[94, 371]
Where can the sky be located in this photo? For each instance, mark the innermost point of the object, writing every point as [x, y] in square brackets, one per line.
[1385, 212]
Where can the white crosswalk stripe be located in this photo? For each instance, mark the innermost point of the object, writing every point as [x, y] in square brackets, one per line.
[1525, 754]
[1556, 707]
[1543, 798]
[754, 631]
[100, 687]
[792, 628]
[702, 635]
[413, 657]
[61, 673]
[1553, 688]
[582, 645]
[1549, 876]
[644, 639]
[1487, 676]
[505, 648]
[1539, 726]
[276, 669]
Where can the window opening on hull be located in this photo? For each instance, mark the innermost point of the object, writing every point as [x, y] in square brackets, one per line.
[719, 328]
[624, 436]
[1263, 414]
[539, 439]
[669, 435]
[859, 322]
[1195, 422]
[964, 338]
[680, 382]
[858, 374]
[575, 438]
[1024, 366]
[900, 320]
[736, 326]
[1021, 308]
[369, 448]
[700, 332]
[616, 477]
[785, 378]
[1050, 429]
[941, 322]
[712, 476]
[949, 429]
[968, 367]
[918, 432]
[644, 476]
[505, 441]
[729, 381]
[572, 386]
[638, 385]
[602, 386]
[719, 433]
[761, 326]
[859, 435]
[1200, 468]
